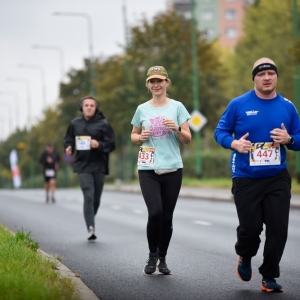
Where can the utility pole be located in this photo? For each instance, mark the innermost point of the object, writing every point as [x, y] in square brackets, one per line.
[296, 78]
[196, 102]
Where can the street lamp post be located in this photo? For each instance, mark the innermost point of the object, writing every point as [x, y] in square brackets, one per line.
[61, 56]
[2, 121]
[16, 105]
[10, 125]
[90, 40]
[42, 72]
[23, 80]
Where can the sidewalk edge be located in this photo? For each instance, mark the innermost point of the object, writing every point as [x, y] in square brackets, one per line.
[84, 292]
[184, 194]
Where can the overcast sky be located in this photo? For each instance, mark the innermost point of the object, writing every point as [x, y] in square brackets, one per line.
[25, 23]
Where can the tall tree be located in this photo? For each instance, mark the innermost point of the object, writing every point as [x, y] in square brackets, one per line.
[165, 40]
[268, 32]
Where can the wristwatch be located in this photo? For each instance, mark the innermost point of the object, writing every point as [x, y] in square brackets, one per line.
[179, 129]
[291, 140]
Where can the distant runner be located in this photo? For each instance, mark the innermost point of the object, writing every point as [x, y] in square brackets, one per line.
[50, 160]
[92, 138]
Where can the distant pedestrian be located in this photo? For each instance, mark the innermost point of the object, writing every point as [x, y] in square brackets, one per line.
[92, 138]
[50, 160]
[258, 127]
[158, 126]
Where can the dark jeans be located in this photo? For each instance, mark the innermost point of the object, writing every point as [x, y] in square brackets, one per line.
[160, 193]
[263, 201]
[91, 185]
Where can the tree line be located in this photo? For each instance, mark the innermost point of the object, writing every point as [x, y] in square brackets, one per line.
[165, 40]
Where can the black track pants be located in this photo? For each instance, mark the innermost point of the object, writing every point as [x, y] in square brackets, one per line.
[160, 193]
[263, 201]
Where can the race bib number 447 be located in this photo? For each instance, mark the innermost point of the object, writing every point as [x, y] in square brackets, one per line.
[264, 154]
[146, 156]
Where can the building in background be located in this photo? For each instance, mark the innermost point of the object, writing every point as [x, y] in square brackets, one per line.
[217, 19]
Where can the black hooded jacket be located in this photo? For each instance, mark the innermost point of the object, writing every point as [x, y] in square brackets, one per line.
[98, 128]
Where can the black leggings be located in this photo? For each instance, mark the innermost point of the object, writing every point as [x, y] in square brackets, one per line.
[160, 193]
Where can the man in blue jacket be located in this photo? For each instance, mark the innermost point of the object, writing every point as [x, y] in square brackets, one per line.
[93, 139]
[258, 127]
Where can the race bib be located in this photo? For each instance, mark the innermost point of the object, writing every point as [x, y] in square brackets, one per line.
[146, 156]
[264, 154]
[49, 173]
[83, 142]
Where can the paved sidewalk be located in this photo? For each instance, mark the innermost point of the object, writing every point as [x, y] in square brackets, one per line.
[195, 193]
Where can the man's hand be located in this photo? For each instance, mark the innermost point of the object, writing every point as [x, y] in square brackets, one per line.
[242, 145]
[94, 144]
[280, 135]
[49, 159]
[69, 150]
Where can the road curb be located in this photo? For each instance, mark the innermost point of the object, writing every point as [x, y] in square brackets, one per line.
[194, 193]
[84, 292]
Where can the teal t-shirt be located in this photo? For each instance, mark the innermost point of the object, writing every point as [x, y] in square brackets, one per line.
[165, 140]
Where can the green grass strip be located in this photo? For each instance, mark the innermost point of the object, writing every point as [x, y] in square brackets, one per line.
[25, 274]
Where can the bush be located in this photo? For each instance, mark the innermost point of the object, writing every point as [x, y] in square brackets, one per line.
[215, 163]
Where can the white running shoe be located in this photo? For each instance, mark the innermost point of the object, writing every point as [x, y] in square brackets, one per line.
[91, 234]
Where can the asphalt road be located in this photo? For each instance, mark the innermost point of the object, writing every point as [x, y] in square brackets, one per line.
[201, 254]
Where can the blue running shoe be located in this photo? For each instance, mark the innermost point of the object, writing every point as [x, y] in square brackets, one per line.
[243, 268]
[270, 285]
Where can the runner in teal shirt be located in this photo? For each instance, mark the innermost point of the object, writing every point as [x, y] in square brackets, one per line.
[158, 126]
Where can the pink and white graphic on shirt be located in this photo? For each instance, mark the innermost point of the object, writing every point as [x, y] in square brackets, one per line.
[158, 129]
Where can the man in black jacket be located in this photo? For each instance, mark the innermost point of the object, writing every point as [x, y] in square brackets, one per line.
[93, 138]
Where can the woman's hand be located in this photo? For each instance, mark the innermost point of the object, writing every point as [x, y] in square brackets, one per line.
[144, 136]
[170, 124]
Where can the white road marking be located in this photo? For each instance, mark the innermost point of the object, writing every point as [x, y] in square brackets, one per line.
[204, 223]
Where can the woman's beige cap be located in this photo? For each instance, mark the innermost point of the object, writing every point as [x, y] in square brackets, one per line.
[157, 72]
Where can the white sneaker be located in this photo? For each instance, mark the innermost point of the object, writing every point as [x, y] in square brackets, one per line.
[91, 233]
